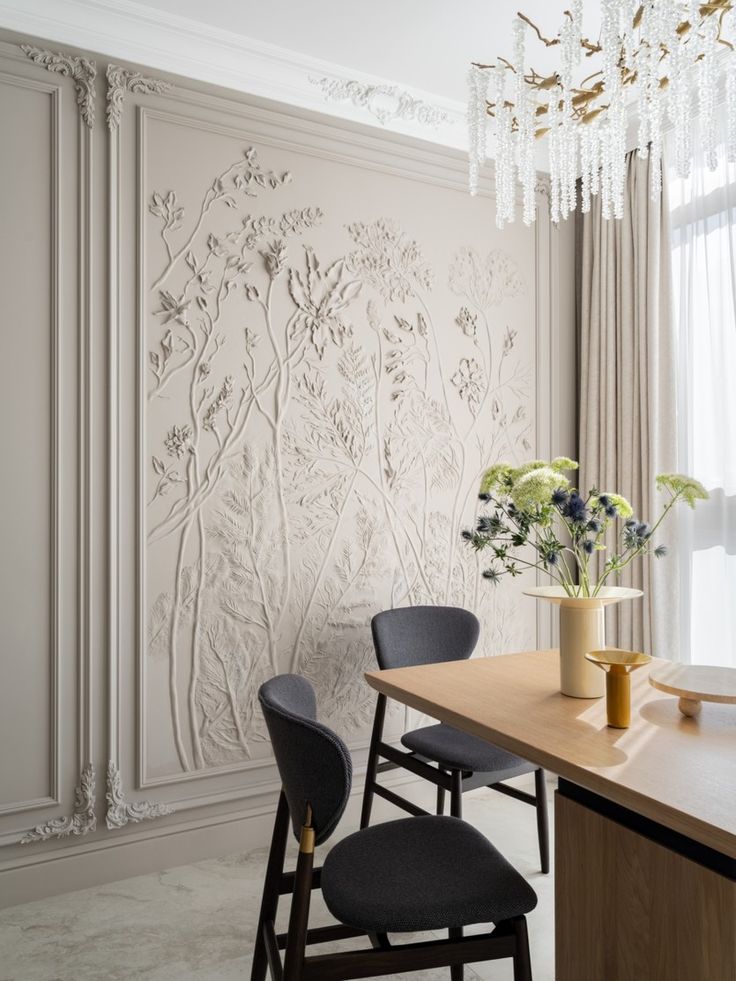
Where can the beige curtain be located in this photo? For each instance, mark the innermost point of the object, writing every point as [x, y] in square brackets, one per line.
[627, 432]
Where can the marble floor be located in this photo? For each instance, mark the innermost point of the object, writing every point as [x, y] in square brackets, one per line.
[197, 922]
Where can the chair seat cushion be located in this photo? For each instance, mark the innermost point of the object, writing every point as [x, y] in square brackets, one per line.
[421, 873]
[458, 750]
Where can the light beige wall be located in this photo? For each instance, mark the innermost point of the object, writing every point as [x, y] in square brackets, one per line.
[286, 349]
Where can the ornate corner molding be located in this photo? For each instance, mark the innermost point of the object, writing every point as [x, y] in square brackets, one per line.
[121, 80]
[120, 812]
[374, 99]
[82, 821]
[82, 72]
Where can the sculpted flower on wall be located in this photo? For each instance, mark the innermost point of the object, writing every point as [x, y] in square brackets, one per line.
[321, 297]
[166, 209]
[388, 260]
[172, 308]
[486, 282]
[274, 255]
[323, 464]
[178, 441]
[467, 322]
[223, 400]
[469, 381]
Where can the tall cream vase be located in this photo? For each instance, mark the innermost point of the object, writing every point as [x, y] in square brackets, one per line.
[582, 629]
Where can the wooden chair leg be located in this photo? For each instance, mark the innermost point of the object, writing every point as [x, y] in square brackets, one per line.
[457, 971]
[456, 794]
[296, 942]
[522, 958]
[271, 887]
[372, 769]
[540, 791]
[441, 797]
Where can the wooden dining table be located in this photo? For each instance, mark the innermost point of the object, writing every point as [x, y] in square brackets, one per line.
[645, 817]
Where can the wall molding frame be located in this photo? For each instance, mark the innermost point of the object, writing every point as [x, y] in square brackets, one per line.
[53, 798]
[109, 683]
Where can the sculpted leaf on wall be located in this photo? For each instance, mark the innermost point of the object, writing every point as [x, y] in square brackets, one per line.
[315, 434]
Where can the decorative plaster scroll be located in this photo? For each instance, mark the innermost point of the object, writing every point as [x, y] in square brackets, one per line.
[81, 70]
[121, 80]
[119, 812]
[81, 822]
[384, 102]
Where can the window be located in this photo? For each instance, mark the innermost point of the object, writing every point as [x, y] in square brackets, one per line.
[703, 223]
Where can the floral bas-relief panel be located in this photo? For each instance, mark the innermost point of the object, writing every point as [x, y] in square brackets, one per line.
[331, 355]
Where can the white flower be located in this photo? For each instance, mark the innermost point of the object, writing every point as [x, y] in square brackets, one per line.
[467, 322]
[321, 298]
[485, 282]
[388, 260]
[177, 440]
[469, 382]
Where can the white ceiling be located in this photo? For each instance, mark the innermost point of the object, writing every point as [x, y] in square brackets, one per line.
[424, 44]
[287, 49]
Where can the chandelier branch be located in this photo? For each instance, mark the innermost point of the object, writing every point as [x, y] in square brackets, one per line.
[666, 57]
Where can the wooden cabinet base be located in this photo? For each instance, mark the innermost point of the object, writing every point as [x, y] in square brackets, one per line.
[630, 908]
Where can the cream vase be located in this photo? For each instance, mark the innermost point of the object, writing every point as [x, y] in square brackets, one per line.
[582, 630]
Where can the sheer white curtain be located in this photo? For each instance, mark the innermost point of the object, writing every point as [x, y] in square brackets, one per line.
[703, 228]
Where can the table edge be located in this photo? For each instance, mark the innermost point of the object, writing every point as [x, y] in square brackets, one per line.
[689, 825]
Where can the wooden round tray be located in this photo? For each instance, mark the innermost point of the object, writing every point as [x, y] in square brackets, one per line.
[695, 684]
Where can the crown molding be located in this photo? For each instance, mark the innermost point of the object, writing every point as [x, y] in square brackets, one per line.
[130, 31]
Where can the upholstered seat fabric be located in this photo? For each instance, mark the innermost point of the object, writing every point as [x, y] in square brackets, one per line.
[315, 764]
[421, 873]
[458, 750]
[412, 635]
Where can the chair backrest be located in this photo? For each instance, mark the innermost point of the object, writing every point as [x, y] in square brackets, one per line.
[314, 763]
[423, 635]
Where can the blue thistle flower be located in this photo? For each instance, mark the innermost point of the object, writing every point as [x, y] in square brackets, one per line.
[484, 496]
[492, 575]
[552, 558]
[660, 551]
[588, 547]
[575, 509]
[559, 496]
[578, 513]
[605, 500]
[466, 535]
[594, 526]
[643, 530]
[610, 510]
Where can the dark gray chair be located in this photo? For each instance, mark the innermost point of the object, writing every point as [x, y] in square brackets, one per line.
[410, 875]
[425, 635]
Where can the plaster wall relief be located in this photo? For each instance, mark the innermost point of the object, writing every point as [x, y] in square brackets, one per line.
[330, 356]
[82, 821]
[385, 103]
[121, 80]
[264, 362]
[82, 71]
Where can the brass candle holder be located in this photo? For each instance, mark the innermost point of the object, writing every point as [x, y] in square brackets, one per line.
[618, 666]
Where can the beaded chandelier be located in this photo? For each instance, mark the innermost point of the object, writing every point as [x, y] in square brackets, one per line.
[664, 58]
